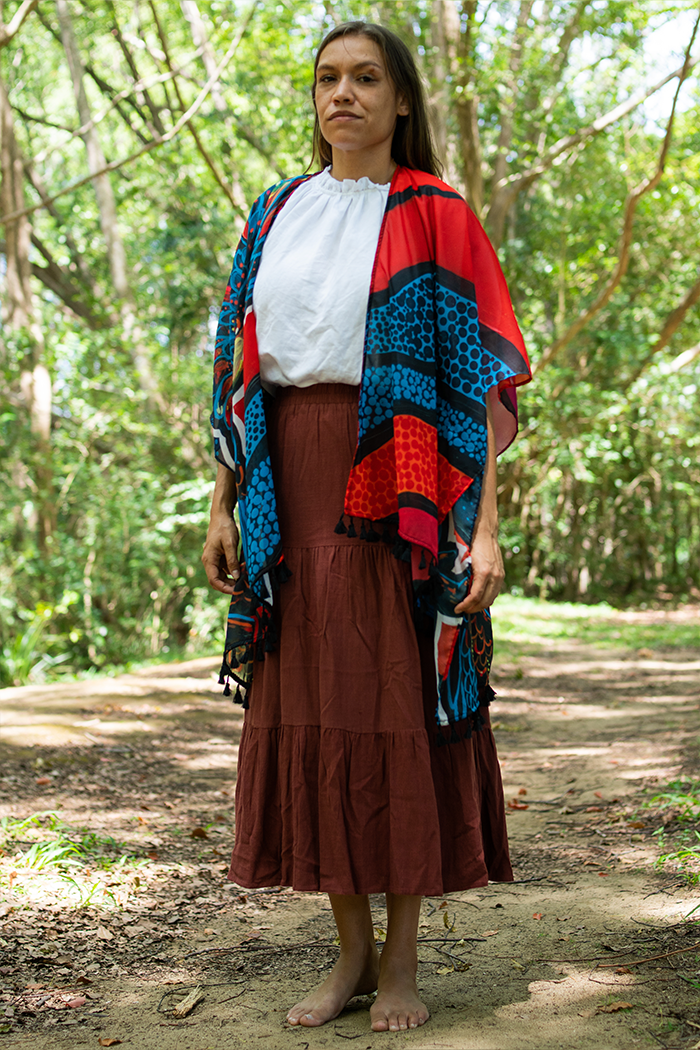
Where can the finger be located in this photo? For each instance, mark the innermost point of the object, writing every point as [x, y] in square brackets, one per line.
[231, 557]
[216, 571]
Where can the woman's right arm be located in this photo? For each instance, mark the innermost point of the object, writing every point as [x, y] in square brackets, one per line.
[220, 554]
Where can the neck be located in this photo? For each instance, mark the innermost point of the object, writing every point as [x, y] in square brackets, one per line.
[358, 164]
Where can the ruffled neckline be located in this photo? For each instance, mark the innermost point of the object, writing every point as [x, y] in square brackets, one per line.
[328, 184]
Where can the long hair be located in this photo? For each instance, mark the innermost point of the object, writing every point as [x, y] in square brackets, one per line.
[412, 145]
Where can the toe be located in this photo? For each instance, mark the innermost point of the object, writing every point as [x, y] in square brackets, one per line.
[380, 1024]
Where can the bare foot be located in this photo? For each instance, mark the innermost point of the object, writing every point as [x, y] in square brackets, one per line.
[347, 979]
[397, 1006]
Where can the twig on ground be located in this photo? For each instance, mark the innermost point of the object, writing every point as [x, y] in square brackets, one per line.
[653, 958]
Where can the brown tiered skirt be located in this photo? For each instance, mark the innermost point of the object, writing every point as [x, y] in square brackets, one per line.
[340, 786]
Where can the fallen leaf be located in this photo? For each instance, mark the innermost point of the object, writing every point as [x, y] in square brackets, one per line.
[445, 969]
[153, 856]
[537, 915]
[598, 794]
[594, 809]
[110, 1042]
[443, 905]
[517, 965]
[614, 1007]
[75, 1003]
[103, 934]
[198, 833]
[636, 824]
[62, 960]
[514, 804]
[522, 791]
[622, 969]
[42, 781]
[489, 933]
[603, 874]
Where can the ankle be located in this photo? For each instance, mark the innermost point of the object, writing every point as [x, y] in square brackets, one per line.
[398, 965]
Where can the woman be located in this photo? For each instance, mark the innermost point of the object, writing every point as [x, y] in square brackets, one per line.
[386, 411]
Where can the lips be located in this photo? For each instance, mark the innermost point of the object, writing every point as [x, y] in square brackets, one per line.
[344, 116]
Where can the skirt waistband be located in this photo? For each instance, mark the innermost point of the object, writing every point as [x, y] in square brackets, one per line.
[319, 394]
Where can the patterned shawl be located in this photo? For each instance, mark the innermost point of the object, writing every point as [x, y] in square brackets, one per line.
[440, 338]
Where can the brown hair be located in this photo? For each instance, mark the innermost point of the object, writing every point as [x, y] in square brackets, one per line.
[412, 145]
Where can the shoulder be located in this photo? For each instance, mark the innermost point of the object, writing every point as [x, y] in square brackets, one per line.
[410, 183]
[271, 199]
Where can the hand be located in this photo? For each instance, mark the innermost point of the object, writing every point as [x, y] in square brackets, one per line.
[220, 557]
[488, 573]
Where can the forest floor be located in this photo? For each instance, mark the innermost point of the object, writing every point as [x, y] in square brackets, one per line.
[117, 807]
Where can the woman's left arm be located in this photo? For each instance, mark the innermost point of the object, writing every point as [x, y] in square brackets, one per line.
[488, 573]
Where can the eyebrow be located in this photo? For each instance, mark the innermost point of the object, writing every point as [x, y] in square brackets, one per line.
[359, 65]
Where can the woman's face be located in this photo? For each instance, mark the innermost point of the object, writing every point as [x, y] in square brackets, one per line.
[356, 102]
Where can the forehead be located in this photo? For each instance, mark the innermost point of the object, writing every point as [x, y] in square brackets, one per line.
[352, 50]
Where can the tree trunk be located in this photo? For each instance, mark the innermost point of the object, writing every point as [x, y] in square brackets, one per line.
[19, 317]
[116, 254]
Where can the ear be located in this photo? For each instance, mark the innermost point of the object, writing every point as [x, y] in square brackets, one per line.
[402, 107]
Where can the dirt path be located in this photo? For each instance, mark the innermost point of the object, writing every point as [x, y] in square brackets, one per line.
[144, 766]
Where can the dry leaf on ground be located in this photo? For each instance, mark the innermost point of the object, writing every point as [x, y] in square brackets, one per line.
[612, 1008]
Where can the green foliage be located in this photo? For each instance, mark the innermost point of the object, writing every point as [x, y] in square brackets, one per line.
[56, 861]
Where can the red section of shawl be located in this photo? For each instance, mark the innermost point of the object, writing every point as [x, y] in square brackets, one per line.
[445, 647]
[371, 490]
[415, 444]
[418, 527]
[251, 362]
[451, 484]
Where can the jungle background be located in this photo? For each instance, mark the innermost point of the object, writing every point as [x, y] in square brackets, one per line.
[134, 136]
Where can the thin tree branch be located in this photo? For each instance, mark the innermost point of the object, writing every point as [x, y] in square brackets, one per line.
[190, 126]
[16, 22]
[104, 87]
[116, 164]
[150, 81]
[625, 240]
[508, 189]
[684, 359]
[671, 324]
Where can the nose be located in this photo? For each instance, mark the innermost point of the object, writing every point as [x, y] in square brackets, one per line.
[343, 90]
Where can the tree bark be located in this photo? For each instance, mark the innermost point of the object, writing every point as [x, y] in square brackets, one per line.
[19, 317]
[116, 254]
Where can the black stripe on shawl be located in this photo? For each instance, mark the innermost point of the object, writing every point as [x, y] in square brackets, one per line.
[454, 283]
[418, 502]
[503, 349]
[378, 436]
[386, 358]
[448, 280]
[467, 464]
[397, 199]
[474, 409]
[398, 281]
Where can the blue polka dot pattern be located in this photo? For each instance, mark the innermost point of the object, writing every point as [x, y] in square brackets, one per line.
[375, 398]
[467, 435]
[411, 385]
[406, 324]
[254, 423]
[261, 518]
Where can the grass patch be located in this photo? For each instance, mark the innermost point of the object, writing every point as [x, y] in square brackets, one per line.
[43, 862]
[533, 623]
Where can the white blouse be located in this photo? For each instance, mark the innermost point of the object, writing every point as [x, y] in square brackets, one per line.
[312, 288]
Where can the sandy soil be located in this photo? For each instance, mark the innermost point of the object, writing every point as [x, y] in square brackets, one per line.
[591, 947]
